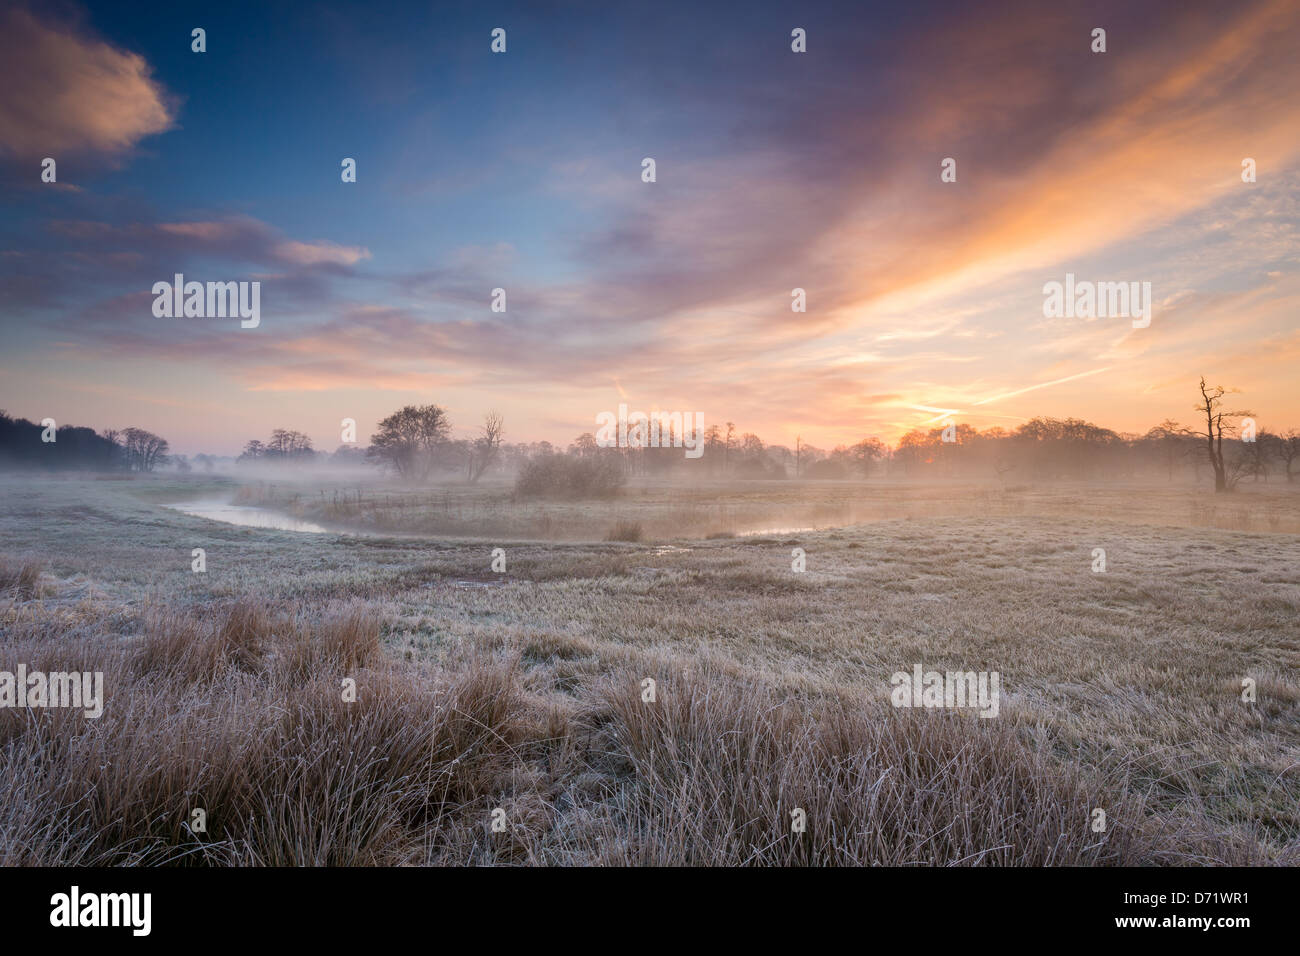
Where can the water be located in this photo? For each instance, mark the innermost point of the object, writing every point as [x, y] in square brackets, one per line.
[252, 516]
[248, 516]
[777, 529]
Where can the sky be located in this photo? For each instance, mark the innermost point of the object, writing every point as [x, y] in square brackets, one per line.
[523, 170]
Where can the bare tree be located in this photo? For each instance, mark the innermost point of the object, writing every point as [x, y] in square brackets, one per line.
[145, 451]
[286, 443]
[1217, 420]
[865, 453]
[484, 450]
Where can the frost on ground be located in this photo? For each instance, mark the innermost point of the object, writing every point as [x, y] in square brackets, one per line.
[500, 716]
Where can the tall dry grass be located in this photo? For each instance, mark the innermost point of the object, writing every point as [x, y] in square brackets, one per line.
[721, 766]
[241, 714]
[20, 579]
[238, 710]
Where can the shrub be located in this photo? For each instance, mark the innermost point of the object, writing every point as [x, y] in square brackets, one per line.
[625, 531]
[562, 476]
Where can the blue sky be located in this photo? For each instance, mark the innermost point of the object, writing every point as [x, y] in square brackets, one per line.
[521, 170]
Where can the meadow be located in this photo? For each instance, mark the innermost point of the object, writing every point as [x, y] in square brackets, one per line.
[517, 696]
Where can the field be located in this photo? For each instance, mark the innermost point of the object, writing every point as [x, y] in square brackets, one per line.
[516, 697]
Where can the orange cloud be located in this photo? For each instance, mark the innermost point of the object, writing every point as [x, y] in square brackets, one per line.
[69, 92]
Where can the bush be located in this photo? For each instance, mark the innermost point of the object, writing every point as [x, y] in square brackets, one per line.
[625, 531]
[562, 476]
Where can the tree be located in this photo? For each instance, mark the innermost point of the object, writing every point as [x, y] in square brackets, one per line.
[782, 460]
[410, 440]
[145, 451]
[1211, 406]
[1288, 450]
[483, 451]
[287, 444]
[1255, 454]
[865, 453]
[1168, 436]
[713, 448]
[750, 458]
[116, 457]
[584, 446]
[915, 449]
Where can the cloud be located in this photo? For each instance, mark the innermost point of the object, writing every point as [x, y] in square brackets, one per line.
[320, 252]
[67, 92]
[241, 238]
[203, 231]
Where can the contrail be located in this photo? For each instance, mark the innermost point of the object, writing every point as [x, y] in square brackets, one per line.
[945, 412]
[1068, 378]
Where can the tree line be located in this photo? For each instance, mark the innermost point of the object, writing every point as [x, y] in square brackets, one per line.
[27, 444]
[415, 444]
[1222, 443]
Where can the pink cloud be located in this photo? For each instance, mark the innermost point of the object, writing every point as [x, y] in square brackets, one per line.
[207, 231]
[320, 252]
[67, 92]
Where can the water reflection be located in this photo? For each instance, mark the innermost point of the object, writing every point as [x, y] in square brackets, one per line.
[248, 516]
